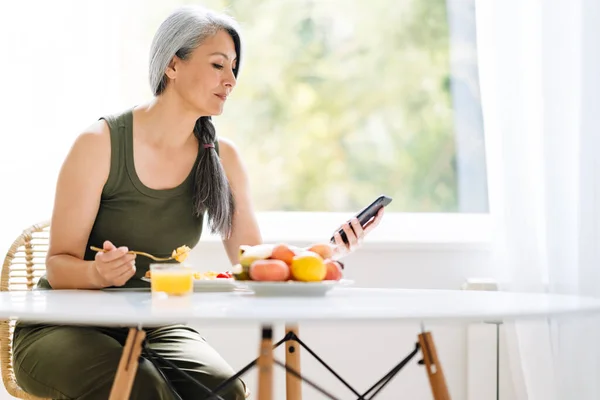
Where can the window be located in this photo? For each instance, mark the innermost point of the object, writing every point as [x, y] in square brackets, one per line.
[339, 101]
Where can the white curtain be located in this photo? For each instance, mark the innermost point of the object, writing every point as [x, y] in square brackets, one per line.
[540, 80]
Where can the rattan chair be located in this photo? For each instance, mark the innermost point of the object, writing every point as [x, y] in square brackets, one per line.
[25, 262]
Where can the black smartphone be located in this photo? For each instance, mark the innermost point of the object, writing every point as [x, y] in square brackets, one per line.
[366, 214]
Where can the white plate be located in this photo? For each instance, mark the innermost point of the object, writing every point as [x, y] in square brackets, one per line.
[211, 285]
[292, 288]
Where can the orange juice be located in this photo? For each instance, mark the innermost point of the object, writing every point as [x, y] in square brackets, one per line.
[174, 281]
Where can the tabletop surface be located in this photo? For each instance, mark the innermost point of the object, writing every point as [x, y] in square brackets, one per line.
[132, 308]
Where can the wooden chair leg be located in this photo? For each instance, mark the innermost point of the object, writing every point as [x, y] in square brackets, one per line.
[265, 365]
[293, 384]
[437, 381]
[128, 365]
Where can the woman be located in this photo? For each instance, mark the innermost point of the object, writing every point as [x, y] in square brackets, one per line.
[144, 180]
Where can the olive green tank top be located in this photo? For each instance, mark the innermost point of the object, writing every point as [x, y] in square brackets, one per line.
[134, 215]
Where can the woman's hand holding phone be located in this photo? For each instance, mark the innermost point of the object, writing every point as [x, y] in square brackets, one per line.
[355, 234]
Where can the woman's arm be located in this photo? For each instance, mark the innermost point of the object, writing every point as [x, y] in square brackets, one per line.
[80, 182]
[245, 228]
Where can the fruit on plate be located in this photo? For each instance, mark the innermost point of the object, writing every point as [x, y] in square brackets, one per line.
[269, 270]
[334, 270]
[241, 273]
[243, 248]
[284, 253]
[325, 250]
[308, 266]
[281, 262]
[253, 253]
[211, 275]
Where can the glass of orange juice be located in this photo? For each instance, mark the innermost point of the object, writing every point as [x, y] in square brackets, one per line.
[171, 279]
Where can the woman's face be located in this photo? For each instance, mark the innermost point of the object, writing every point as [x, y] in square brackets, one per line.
[205, 78]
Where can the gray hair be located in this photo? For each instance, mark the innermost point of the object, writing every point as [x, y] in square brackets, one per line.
[179, 34]
[182, 32]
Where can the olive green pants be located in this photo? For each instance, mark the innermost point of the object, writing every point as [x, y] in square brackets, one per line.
[78, 362]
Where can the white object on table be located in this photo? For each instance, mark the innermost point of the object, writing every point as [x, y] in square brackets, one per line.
[292, 288]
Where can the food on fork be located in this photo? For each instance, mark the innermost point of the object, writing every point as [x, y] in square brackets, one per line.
[181, 253]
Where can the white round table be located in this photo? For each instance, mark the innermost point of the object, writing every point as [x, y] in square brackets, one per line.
[139, 309]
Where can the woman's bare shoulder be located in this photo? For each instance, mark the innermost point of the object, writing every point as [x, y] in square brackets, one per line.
[91, 151]
[227, 149]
